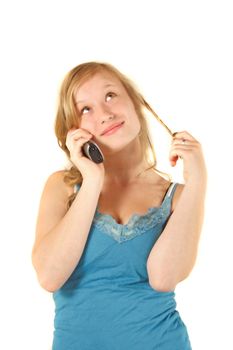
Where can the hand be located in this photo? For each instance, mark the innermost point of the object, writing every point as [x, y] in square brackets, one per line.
[75, 139]
[186, 147]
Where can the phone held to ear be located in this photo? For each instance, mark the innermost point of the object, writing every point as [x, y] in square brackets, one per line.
[93, 152]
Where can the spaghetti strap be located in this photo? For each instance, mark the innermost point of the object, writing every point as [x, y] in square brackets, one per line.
[112, 268]
[76, 187]
[170, 192]
[171, 189]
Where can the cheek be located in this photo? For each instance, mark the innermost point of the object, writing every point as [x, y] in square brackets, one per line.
[136, 123]
[88, 126]
[134, 117]
[131, 111]
[85, 124]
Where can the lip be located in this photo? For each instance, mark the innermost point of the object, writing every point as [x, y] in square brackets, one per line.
[112, 128]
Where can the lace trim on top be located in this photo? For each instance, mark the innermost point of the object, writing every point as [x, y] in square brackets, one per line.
[138, 223]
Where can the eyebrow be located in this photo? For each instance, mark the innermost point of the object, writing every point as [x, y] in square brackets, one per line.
[105, 86]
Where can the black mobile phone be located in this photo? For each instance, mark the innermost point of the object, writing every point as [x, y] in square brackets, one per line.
[93, 152]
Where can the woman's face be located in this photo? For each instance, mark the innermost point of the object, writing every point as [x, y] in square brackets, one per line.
[100, 98]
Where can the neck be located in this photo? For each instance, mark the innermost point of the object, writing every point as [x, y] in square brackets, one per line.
[125, 166]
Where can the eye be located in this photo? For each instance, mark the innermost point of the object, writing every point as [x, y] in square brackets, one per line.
[84, 108]
[111, 94]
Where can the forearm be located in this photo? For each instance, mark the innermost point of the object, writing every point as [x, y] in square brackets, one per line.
[173, 255]
[58, 253]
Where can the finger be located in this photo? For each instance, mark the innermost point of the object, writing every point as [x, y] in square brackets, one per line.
[76, 147]
[173, 160]
[183, 134]
[77, 140]
[80, 142]
[178, 152]
[78, 131]
[76, 134]
[181, 148]
[183, 141]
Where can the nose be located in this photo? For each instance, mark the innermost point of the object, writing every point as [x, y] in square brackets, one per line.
[108, 117]
[104, 114]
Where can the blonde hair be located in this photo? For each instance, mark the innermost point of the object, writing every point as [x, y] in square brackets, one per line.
[67, 115]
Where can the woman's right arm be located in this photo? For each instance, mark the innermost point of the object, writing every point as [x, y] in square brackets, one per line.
[61, 234]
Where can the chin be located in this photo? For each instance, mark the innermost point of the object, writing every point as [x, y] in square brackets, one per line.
[113, 149]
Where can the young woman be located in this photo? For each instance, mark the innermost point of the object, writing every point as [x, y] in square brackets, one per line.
[113, 239]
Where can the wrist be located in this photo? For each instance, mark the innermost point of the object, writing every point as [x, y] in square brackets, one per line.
[96, 181]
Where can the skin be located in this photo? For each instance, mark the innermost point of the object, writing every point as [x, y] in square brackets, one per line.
[59, 245]
[123, 146]
[174, 253]
[173, 256]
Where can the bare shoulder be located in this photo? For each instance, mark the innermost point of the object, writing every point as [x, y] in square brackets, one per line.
[56, 192]
[176, 196]
[56, 182]
[53, 203]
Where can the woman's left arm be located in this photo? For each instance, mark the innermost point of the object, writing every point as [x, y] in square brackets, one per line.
[174, 253]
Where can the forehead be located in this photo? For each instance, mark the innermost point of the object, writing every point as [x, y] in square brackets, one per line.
[98, 81]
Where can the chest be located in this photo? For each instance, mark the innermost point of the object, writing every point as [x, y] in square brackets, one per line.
[122, 202]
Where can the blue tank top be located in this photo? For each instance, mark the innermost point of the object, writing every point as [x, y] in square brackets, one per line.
[107, 303]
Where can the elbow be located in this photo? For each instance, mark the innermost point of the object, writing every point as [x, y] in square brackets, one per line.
[161, 281]
[48, 287]
[47, 284]
[44, 280]
[161, 286]
[165, 279]
[165, 283]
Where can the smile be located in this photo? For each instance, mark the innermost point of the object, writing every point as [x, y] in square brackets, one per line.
[112, 131]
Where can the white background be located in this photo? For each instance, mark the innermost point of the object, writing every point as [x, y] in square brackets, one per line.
[179, 53]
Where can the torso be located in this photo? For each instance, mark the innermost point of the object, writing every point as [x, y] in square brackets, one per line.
[121, 202]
